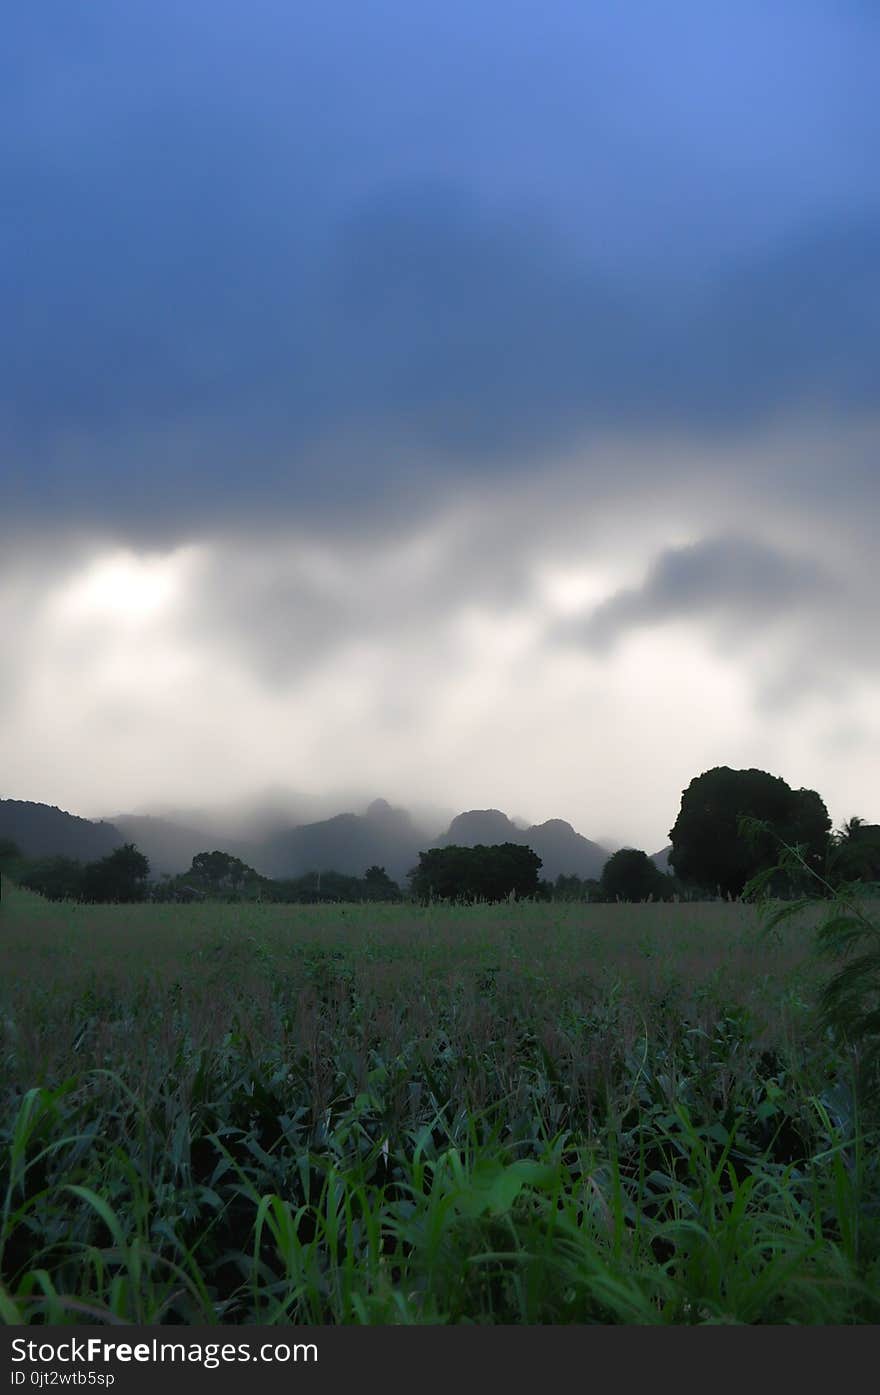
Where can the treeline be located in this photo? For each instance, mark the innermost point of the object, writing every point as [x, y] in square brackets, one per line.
[121, 876]
[730, 828]
[510, 871]
[220, 876]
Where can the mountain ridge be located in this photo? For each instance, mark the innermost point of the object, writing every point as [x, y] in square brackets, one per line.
[45, 830]
[347, 842]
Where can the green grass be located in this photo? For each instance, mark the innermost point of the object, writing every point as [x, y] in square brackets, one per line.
[391, 1114]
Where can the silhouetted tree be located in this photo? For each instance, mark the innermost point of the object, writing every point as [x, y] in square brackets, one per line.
[855, 852]
[630, 875]
[9, 852]
[707, 847]
[56, 878]
[219, 873]
[121, 876]
[476, 874]
[378, 886]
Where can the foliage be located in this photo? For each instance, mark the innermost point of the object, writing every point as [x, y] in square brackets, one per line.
[708, 848]
[630, 875]
[480, 873]
[574, 888]
[314, 888]
[56, 878]
[855, 852]
[219, 873]
[849, 936]
[499, 1114]
[10, 852]
[219, 876]
[121, 876]
[378, 886]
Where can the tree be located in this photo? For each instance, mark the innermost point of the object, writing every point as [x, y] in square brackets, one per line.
[56, 878]
[482, 873]
[10, 856]
[630, 875]
[9, 852]
[570, 887]
[121, 876]
[855, 852]
[220, 873]
[709, 851]
[378, 886]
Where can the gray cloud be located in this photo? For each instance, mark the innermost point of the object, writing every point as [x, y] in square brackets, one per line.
[281, 272]
[738, 580]
[389, 313]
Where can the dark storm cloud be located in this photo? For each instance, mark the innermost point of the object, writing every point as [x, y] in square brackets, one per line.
[732, 579]
[324, 263]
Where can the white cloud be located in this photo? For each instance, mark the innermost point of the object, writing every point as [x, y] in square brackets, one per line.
[424, 663]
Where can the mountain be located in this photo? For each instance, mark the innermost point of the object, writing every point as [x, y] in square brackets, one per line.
[486, 826]
[349, 843]
[248, 819]
[42, 830]
[561, 849]
[661, 859]
[565, 851]
[168, 847]
[263, 838]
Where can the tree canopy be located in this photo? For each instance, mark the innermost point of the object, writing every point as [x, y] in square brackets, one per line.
[855, 852]
[708, 849]
[220, 873]
[482, 873]
[120, 876]
[630, 875]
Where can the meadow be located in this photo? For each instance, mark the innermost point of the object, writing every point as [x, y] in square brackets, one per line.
[514, 1113]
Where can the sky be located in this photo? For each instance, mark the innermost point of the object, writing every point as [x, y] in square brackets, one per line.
[472, 404]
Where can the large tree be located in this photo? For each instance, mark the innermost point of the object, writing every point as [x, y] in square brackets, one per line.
[121, 876]
[482, 873]
[708, 849]
[219, 873]
[630, 875]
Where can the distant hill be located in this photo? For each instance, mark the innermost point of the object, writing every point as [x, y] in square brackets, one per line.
[42, 830]
[562, 850]
[486, 826]
[247, 820]
[661, 859]
[565, 851]
[168, 847]
[350, 843]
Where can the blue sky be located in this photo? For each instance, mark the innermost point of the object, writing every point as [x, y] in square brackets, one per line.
[378, 335]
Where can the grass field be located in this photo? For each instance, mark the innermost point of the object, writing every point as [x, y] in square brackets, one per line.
[528, 1113]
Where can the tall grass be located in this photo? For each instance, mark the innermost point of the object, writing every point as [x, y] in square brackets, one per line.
[534, 1114]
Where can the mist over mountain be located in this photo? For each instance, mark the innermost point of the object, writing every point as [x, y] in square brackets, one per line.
[486, 826]
[249, 819]
[383, 836]
[562, 850]
[169, 847]
[42, 830]
[261, 833]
